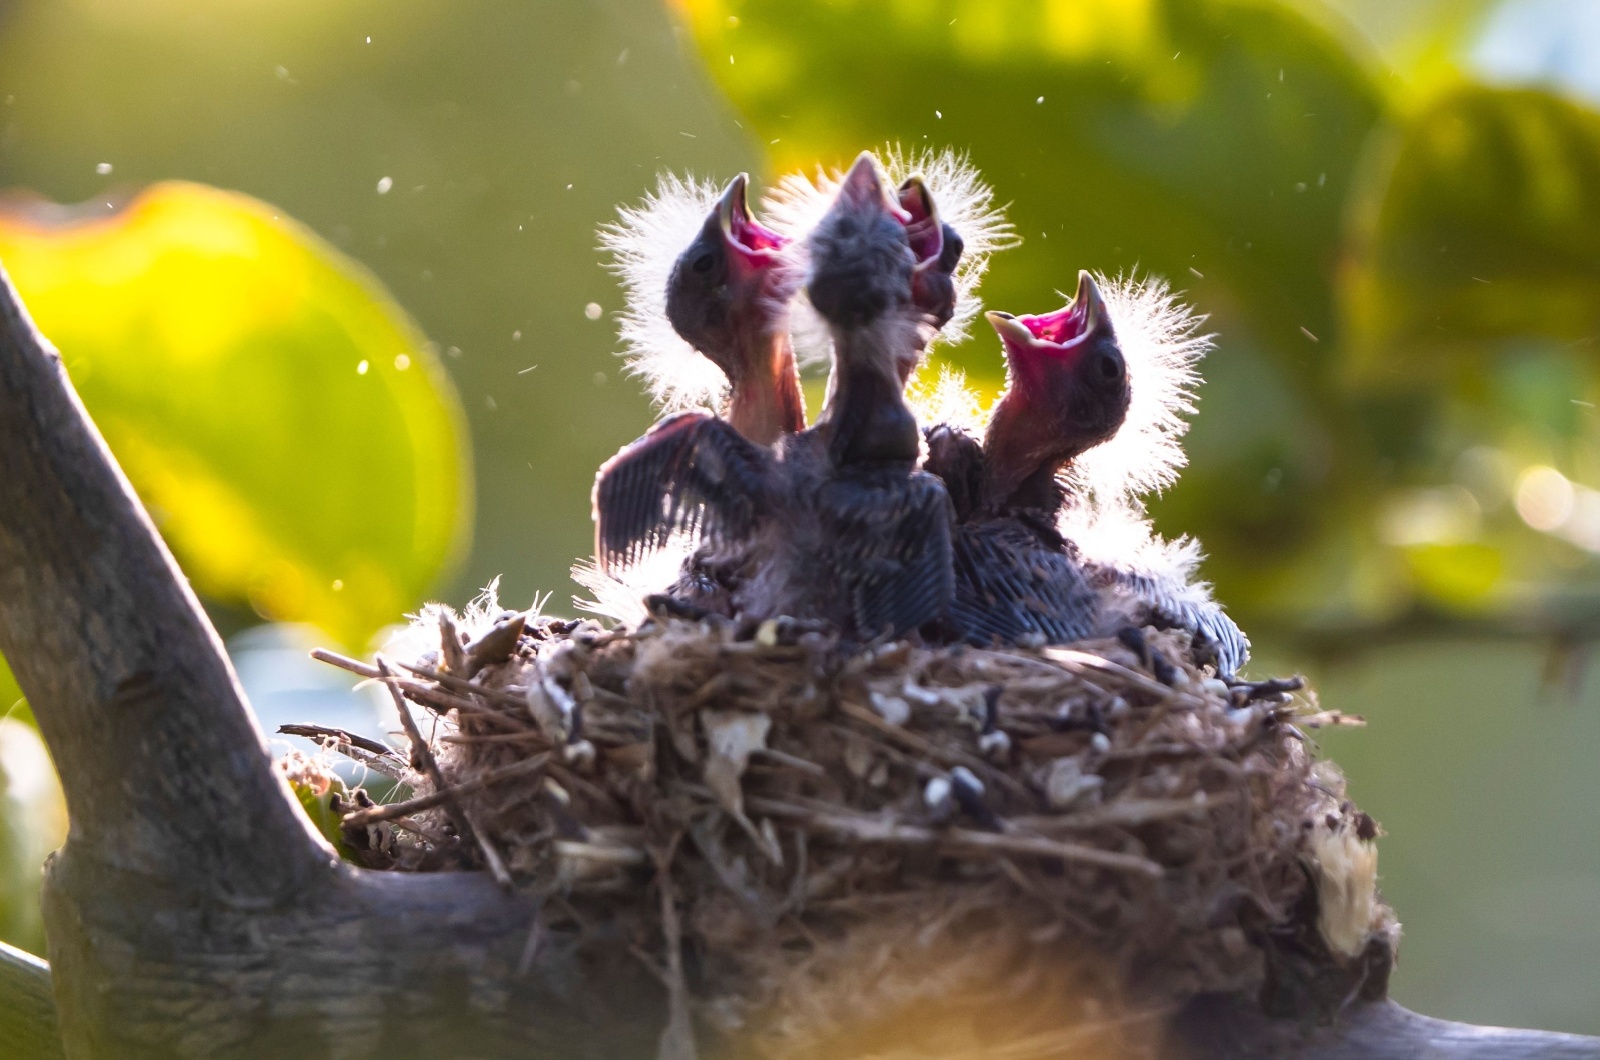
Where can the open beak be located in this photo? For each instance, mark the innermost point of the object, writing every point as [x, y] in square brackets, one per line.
[863, 188]
[749, 243]
[1091, 304]
[1011, 330]
[924, 230]
[1080, 319]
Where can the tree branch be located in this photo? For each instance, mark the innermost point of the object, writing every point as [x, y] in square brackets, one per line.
[164, 771]
[1231, 1028]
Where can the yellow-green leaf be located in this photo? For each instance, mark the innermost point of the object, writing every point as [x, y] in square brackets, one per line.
[1482, 226]
[286, 424]
[1173, 134]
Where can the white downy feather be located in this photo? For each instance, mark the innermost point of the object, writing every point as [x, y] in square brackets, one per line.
[797, 202]
[948, 400]
[1118, 533]
[644, 242]
[620, 596]
[1162, 344]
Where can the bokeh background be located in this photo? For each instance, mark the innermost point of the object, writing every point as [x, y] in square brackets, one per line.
[1390, 210]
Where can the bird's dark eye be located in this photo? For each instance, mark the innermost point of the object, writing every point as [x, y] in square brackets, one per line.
[703, 261]
[1108, 366]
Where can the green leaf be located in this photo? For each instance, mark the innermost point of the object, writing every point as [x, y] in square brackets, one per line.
[314, 800]
[1480, 226]
[12, 705]
[286, 424]
[27, 1007]
[1172, 134]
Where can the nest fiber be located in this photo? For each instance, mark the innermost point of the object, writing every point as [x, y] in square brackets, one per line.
[807, 839]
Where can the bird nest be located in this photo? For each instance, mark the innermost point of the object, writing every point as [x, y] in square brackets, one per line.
[813, 842]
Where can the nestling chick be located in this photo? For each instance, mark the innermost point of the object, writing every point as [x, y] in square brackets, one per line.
[836, 524]
[709, 291]
[728, 297]
[1067, 391]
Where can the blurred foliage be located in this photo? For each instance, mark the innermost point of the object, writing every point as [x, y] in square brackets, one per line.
[1488, 230]
[284, 422]
[508, 130]
[33, 822]
[1350, 237]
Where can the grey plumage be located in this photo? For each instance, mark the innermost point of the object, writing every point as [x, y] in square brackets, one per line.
[832, 523]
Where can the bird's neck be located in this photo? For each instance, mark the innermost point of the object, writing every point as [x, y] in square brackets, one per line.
[865, 418]
[766, 402]
[1022, 456]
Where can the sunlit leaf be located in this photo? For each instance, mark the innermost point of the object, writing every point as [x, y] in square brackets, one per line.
[1482, 226]
[288, 427]
[314, 800]
[11, 702]
[1173, 134]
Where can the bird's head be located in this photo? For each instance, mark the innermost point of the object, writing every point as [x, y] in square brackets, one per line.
[1067, 387]
[732, 285]
[937, 249]
[861, 261]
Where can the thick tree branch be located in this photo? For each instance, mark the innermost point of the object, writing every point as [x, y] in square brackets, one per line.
[164, 771]
[1230, 1028]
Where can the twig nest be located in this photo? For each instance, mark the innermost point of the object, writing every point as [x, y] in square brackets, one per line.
[849, 836]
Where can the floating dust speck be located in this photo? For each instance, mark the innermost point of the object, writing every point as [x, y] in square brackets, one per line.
[946, 852]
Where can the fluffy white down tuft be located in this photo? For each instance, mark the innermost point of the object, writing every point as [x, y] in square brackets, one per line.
[1118, 533]
[1161, 343]
[948, 400]
[620, 596]
[420, 634]
[797, 202]
[644, 242]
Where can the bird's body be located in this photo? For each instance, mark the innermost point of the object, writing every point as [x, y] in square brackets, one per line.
[1042, 550]
[1016, 579]
[833, 522]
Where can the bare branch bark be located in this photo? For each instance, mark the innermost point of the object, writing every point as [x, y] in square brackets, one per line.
[194, 913]
[163, 769]
[1234, 1029]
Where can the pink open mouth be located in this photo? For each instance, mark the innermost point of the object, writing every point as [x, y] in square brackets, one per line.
[1073, 323]
[754, 243]
[923, 230]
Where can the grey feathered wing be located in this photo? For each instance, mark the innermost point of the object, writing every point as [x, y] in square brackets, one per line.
[692, 474]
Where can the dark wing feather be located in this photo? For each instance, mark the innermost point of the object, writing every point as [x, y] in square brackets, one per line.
[890, 546]
[692, 473]
[957, 458]
[1011, 583]
[1217, 638]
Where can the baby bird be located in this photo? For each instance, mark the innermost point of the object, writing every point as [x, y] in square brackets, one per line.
[728, 297]
[709, 291]
[835, 523]
[1067, 390]
[1083, 506]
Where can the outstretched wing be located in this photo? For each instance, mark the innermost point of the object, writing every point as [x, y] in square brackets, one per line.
[691, 473]
[890, 547]
[1217, 638]
[1011, 585]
